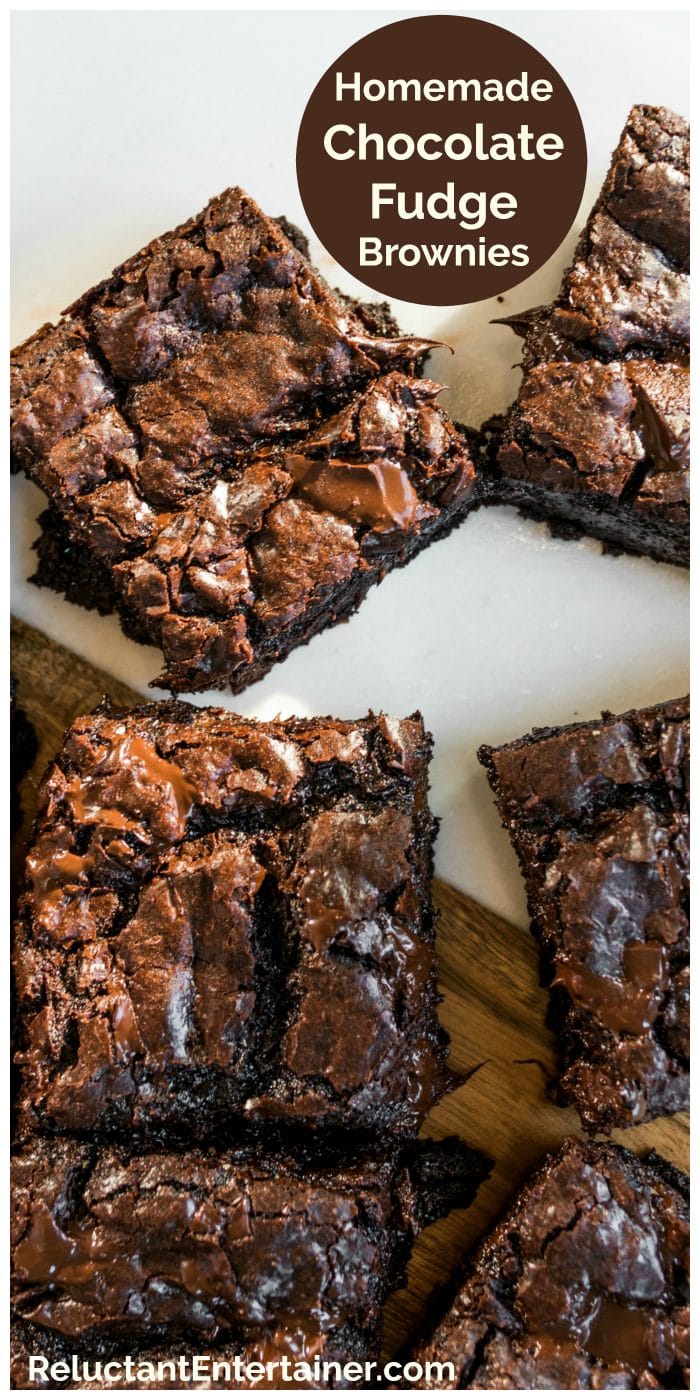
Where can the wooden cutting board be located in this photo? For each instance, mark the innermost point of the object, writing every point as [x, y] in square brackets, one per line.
[493, 1008]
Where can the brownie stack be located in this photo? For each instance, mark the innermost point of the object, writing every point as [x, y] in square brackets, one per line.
[227, 1039]
[598, 440]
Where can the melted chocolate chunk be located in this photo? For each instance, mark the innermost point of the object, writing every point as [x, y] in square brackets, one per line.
[114, 1252]
[240, 451]
[227, 928]
[598, 814]
[582, 1286]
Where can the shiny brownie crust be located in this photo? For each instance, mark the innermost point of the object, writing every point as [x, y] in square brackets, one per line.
[598, 816]
[583, 1285]
[598, 439]
[270, 1257]
[227, 926]
[238, 449]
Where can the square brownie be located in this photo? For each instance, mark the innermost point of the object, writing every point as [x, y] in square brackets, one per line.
[598, 816]
[237, 449]
[228, 924]
[598, 439]
[583, 1285]
[114, 1252]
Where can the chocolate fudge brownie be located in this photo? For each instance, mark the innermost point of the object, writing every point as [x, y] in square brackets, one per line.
[598, 815]
[598, 439]
[228, 922]
[583, 1285]
[239, 450]
[113, 1252]
[23, 747]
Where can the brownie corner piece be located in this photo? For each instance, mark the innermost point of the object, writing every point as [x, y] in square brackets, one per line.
[582, 1285]
[598, 439]
[240, 451]
[205, 898]
[115, 1250]
[603, 448]
[598, 815]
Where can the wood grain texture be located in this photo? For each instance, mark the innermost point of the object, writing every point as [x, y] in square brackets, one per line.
[494, 1009]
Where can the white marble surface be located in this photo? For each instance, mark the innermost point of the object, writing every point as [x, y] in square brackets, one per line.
[491, 631]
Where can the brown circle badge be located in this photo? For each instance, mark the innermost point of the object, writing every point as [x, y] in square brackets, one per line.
[441, 160]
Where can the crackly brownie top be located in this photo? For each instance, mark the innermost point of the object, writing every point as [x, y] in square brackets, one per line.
[193, 1242]
[598, 814]
[231, 1244]
[245, 558]
[214, 336]
[621, 294]
[584, 1283]
[648, 184]
[628, 290]
[206, 898]
[231, 438]
[619, 430]
[226, 519]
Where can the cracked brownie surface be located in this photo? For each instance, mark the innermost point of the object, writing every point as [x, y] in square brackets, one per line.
[598, 815]
[112, 1250]
[583, 1285]
[241, 451]
[229, 923]
[598, 439]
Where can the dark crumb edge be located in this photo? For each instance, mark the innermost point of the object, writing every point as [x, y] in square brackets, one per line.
[586, 514]
[550, 731]
[575, 515]
[69, 569]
